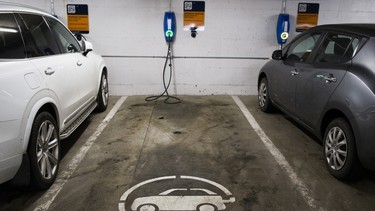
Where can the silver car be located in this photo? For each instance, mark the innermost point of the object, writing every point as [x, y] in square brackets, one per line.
[325, 80]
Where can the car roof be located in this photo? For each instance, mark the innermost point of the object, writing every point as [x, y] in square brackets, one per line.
[15, 7]
[360, 29]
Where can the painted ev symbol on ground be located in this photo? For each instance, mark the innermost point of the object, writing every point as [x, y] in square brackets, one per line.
[169, 201]
[177, 198]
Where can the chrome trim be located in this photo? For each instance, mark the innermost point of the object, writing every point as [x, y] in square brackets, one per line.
[72, 127]
[79, 111]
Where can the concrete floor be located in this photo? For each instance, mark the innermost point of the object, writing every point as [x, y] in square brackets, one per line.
[150, 147]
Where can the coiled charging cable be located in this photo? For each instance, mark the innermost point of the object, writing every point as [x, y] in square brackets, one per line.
[168, 98]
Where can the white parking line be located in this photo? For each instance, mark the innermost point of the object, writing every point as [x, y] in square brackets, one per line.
[280, 159]
[46, 200]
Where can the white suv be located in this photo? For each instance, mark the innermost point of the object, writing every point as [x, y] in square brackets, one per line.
[49, 83]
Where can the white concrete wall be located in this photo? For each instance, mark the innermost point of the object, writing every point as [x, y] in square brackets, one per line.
[224, 59]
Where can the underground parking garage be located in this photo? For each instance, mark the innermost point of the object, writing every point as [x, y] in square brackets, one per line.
[186, 105]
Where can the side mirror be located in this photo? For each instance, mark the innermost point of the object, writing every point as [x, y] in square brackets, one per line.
[277, 55]
[87, 47]
[78, 36]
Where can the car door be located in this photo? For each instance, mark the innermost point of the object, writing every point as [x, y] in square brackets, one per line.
[319, 79]
[285, 77]
[57, 68]
[85, 71]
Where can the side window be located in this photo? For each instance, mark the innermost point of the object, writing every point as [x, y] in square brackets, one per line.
[67, 40]
[11, 43]
[300, 50]
[336, 48]
[38, 37]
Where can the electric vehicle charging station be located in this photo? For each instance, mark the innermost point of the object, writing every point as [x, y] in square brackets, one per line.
[169, 35]
[283, 26]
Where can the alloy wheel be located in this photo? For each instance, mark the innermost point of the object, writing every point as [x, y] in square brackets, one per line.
[262, 94]
[104, 87]
[47, 150]
[336, 148]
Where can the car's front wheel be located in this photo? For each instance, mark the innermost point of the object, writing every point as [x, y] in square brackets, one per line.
[340, 150]
[44, 151]
[263, 95]
[103, 94]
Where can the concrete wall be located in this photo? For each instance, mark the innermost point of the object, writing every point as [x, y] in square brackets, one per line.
[239, 36]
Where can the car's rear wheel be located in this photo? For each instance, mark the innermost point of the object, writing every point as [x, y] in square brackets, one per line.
[263, 96]
[44, 151]
[103, 94]
[206, 207]
[148, 207]
[340, 150]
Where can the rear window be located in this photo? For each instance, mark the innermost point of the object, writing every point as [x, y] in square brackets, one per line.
[11, 43]
[337, 48]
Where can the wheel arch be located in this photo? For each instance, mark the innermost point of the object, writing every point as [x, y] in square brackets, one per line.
[43, 104]
[328, 117]
[103, 70]
[261, 75]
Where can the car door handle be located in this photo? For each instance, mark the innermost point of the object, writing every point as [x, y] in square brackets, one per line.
[49, 71]
[330, 78]
[79, 63]
[294, 72]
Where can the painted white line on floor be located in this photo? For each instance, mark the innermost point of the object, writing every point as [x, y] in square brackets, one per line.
[279, 157]
[46, 200]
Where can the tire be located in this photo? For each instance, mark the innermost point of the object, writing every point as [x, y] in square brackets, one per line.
[103, 94]
[263, 96]
[44, 151]
[207, 207]
[339, 150]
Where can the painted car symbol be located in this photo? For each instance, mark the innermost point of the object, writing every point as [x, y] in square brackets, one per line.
[170, 200]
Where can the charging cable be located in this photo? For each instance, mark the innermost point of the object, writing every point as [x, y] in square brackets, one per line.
[169, 99]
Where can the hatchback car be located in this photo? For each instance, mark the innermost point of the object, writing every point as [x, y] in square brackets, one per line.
[325, 80]
[49, 83]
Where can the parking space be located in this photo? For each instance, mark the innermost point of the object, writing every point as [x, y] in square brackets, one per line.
[198, 153]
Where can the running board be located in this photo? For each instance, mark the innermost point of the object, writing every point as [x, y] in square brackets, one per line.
[78, 121]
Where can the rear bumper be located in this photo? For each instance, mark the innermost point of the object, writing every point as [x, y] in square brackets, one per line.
[9, 168]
